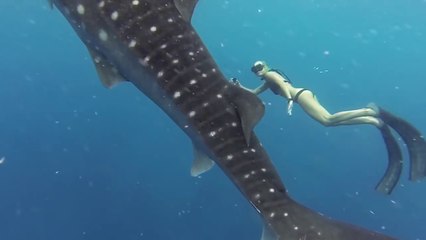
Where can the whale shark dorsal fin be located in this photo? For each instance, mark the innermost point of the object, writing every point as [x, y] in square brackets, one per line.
[201, 163]
[186, 8]
[249, 108]
[107, 73]
[268, 234]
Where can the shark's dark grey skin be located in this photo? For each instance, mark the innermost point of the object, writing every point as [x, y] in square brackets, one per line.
[152, 44]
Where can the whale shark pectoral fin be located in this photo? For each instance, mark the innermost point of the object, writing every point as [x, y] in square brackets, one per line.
[186, 8]
[106, 71]
[201, 163]
[268, 233]
[249, 108]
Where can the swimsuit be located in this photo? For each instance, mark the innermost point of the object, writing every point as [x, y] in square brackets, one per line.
[296, 97]
[275, 88]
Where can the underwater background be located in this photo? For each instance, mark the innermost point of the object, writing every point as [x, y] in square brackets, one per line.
[83, 162]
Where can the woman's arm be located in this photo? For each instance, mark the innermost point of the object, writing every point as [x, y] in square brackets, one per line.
[260, 89]
[256, 91]
[287, 95]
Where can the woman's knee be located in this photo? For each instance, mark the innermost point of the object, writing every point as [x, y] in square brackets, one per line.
[326, 121]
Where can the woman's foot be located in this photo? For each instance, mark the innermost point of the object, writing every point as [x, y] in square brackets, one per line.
[375, 109]
[380, 123]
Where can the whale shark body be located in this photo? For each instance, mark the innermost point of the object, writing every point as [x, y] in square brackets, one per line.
[152, 44]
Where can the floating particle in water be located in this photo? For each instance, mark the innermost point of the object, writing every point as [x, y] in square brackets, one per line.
[326, 52]
[2, 159]
[373, 31]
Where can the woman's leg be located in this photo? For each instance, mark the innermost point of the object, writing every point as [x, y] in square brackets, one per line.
[314, 109]
[346, 115]
[361, 120]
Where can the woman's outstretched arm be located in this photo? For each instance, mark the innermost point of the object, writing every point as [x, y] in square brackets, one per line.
[256, 91]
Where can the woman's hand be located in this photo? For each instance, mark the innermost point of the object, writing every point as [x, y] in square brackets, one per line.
[235, 82]
[290, 107]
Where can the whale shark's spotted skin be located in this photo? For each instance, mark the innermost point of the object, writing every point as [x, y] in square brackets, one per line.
[152, 44]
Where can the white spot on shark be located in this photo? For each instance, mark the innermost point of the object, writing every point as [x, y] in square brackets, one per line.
[97, 59]
[103, 35]
[132, 43]
[160, 74]
[219, 96]
[272, 190]
[212, 134]
[80, 9]
[114, 15]
[135, 2]
[229, 157]
[234, 124]
[193, 81]
[153, 29]
[177, 94]
[101, 4]
[191, 114]
[144, 62]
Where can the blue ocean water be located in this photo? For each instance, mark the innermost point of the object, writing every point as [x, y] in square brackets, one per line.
[84, 162]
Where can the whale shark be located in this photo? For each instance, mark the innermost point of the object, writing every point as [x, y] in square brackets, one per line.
[152, 45]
